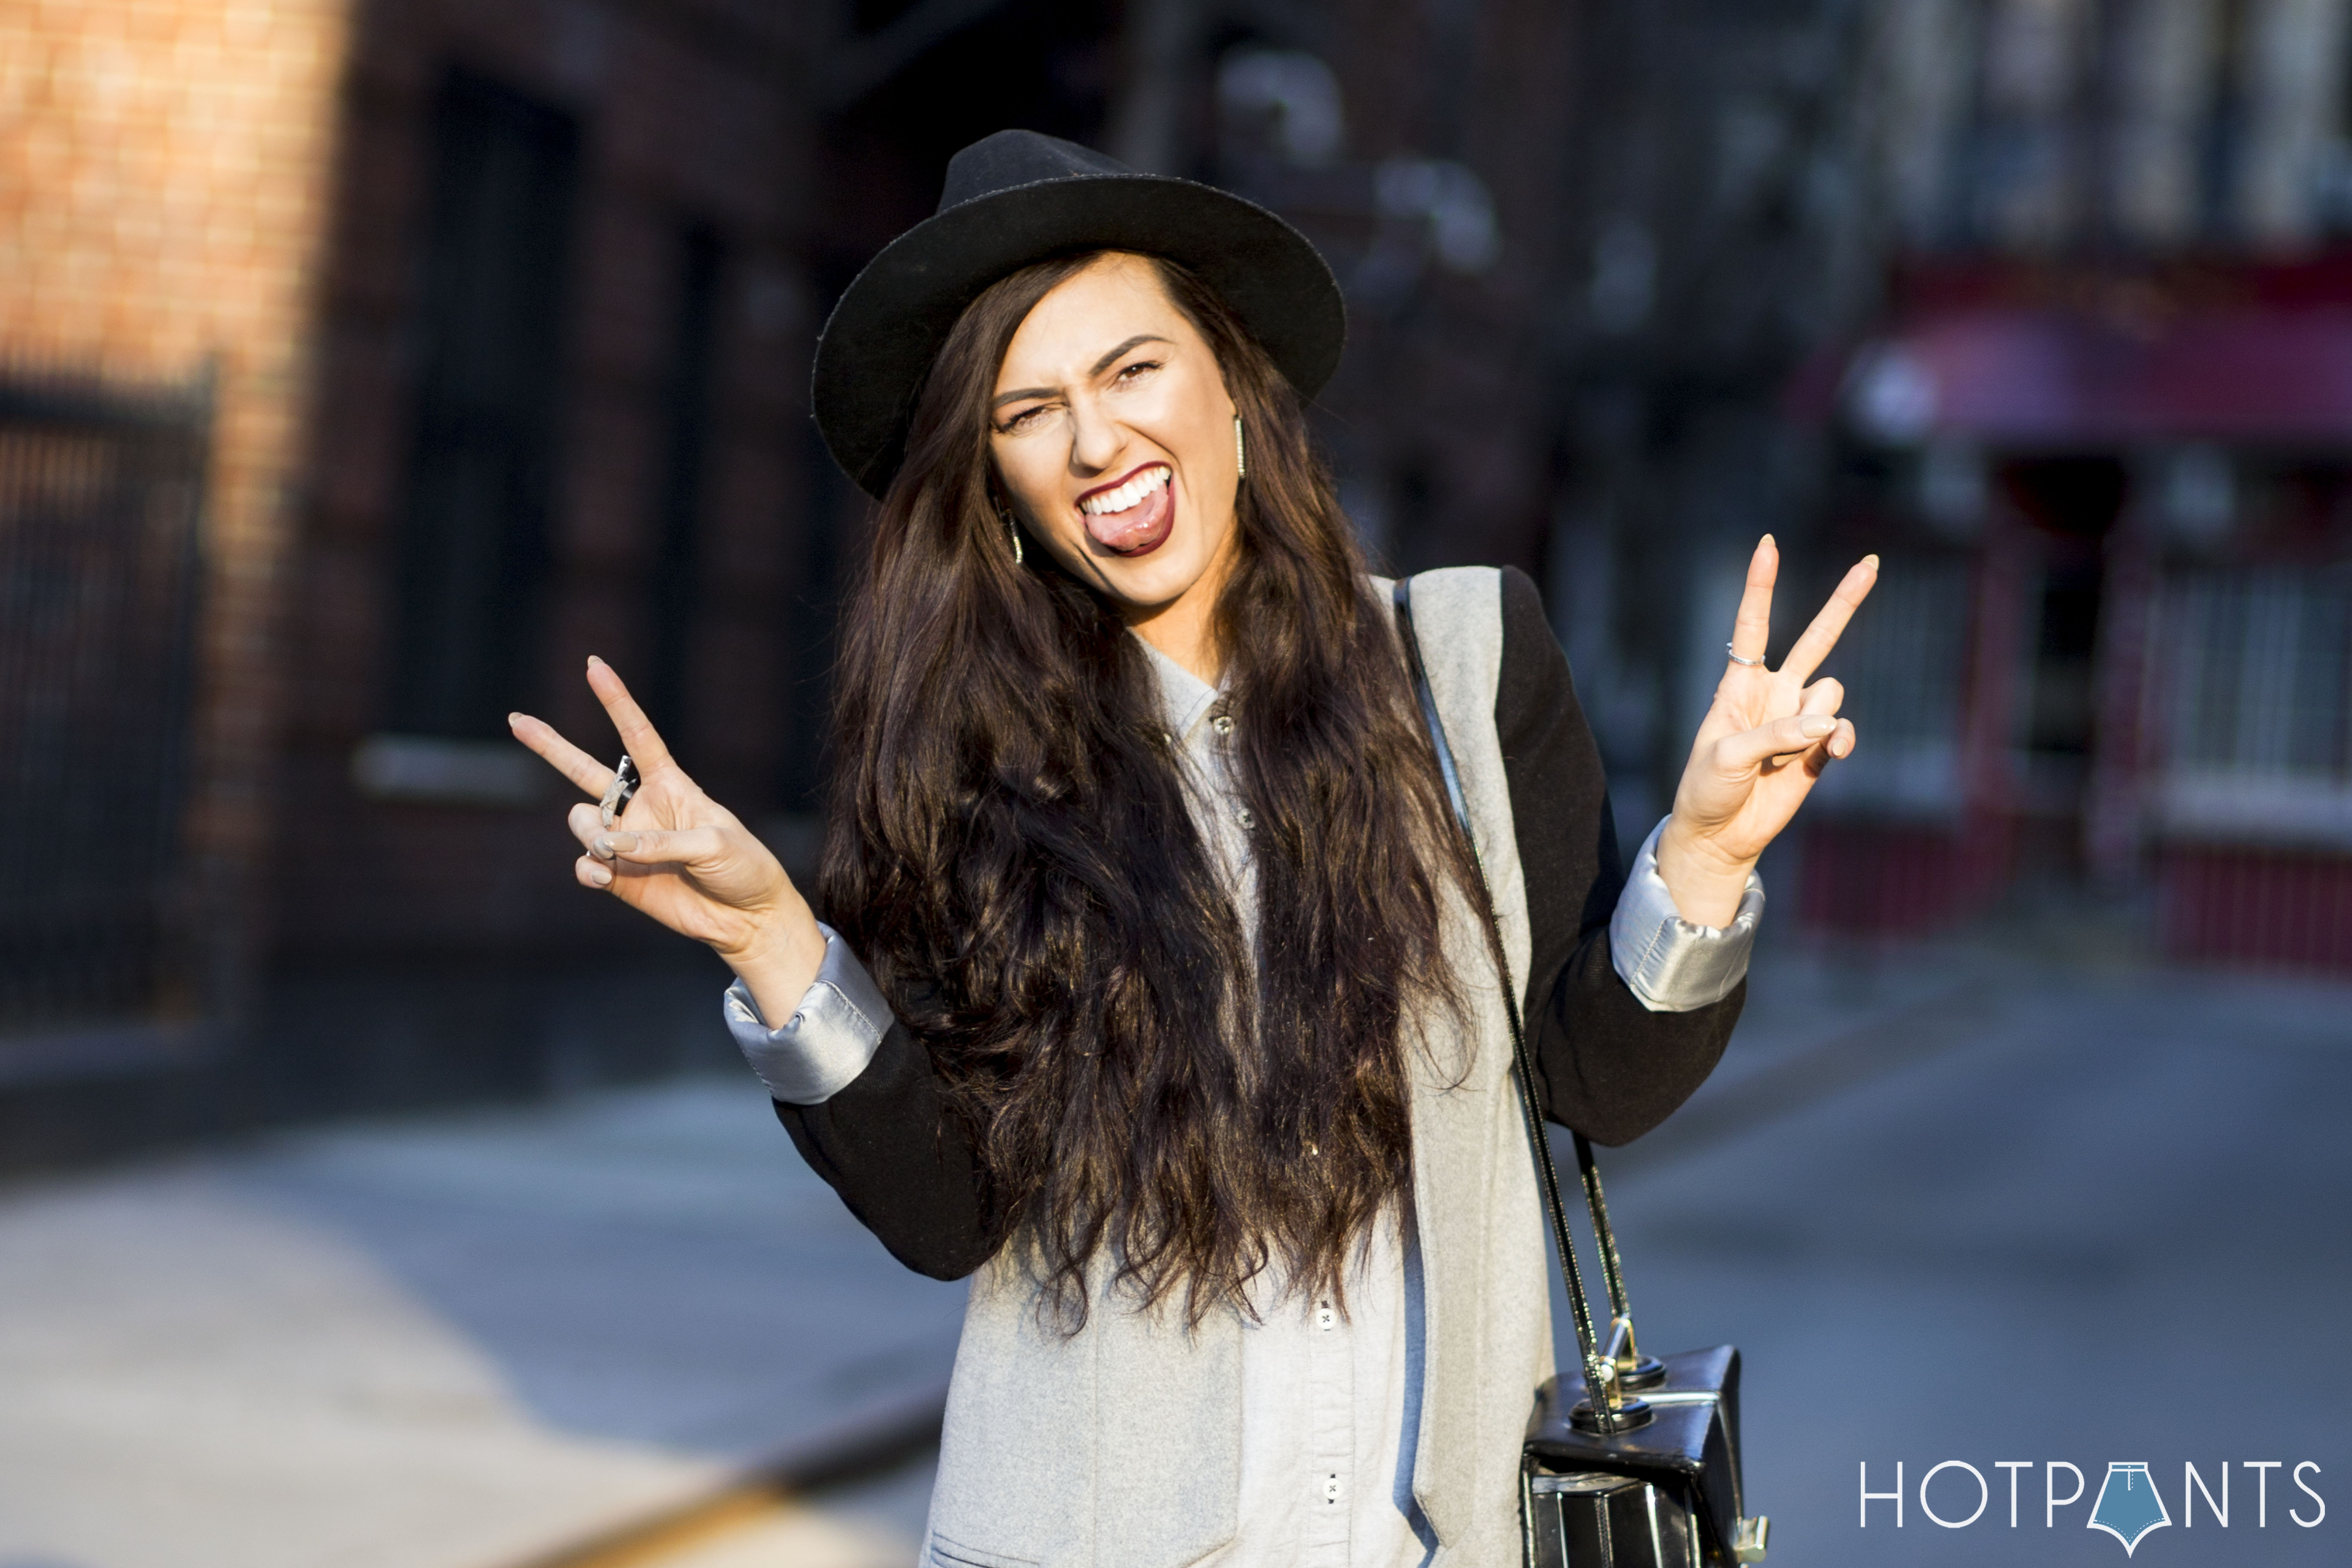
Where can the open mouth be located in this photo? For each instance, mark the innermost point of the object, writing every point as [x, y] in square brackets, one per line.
[1135, 515]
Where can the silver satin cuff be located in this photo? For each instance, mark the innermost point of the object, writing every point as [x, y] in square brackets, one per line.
[1670, 964]
[819, 1050]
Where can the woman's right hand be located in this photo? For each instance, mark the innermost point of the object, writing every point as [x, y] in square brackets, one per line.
[677, 855]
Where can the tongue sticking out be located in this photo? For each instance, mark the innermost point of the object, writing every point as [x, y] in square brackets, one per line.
[1142, 527]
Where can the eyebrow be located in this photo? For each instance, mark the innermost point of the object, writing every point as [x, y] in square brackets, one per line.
[1100, 366]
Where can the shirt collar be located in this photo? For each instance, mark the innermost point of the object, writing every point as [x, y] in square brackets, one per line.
[1186, 698]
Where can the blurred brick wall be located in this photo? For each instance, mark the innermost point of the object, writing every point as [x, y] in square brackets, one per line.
[244, 186]
[162, 174]
[242, 189]
[688, 115]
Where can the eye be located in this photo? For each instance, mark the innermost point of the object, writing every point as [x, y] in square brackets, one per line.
[1018, 422]
[1137, 371]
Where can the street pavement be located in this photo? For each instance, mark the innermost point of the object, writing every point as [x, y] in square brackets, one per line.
[1987, 1204]
[456, 1343]
[1972, 1202]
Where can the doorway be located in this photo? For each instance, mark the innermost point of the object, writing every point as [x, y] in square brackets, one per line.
[2069, 506]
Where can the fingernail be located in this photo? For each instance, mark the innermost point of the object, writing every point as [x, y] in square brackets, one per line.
[1816, 727]
[1769, 540]
[619, 843]
[600, 875]
[602, 849]
[593, 659]
[1871, 562]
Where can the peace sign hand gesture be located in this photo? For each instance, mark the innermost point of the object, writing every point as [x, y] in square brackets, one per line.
[679, 856]
[1760, 748]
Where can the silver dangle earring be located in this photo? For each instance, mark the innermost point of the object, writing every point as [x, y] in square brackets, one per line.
[1241, 458]
[1013, 529]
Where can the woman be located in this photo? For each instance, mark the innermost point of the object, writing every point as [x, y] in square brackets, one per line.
[1157, 997]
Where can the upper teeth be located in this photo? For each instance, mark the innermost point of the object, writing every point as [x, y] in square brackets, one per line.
[1128, 494]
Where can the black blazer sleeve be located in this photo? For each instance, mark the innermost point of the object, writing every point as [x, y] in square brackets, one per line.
[1608, 1065]
[905, 1166]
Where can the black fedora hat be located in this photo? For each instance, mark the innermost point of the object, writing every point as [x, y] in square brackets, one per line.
[1017, 197]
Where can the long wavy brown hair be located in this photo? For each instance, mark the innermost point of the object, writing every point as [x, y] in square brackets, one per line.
[1010, 849]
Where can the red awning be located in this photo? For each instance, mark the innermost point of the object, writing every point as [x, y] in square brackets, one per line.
[2268, 366]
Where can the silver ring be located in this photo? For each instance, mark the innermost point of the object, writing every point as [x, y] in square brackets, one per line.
[617, 793]
[1736, 659]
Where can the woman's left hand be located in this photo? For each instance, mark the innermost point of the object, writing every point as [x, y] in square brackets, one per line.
[1761, 746]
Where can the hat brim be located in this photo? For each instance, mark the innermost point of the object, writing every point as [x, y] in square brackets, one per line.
[879, 342]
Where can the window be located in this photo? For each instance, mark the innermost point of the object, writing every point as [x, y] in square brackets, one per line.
[2228, 114]
[2254, 709]
[2261, 687]
[678, 505]
[1904, 661]
[490, 339]
[100, 487]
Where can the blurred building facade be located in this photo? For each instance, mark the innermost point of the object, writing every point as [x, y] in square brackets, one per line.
[165, 195]
[2099, 426]
[2043, 299]
[366, 366]
[482, 328]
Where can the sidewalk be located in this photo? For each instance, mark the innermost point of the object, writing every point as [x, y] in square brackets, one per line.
[452, 1343]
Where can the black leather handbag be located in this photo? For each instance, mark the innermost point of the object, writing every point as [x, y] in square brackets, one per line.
[1645, 1473]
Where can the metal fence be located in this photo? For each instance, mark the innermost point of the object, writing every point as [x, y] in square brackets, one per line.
[101, 495]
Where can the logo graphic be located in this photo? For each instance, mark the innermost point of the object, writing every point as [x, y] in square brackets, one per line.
[2128, 1506]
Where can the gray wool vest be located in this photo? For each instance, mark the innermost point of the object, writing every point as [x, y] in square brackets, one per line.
[1120, 1445]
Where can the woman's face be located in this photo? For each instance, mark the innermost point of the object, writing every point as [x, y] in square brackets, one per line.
[1113, 432]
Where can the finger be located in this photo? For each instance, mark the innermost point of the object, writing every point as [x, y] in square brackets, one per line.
[587, 825]
[1823, 696]
[1737, 753]
[1751, 633]
[1821, 636]
[562, 756]
[1836, 749]
[659, 847]
[589, 874]
[637, 732]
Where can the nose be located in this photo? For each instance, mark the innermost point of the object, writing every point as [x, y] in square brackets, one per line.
[1096, 439]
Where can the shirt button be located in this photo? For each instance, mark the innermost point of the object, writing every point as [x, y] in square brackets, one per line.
[1333, 1488]
[1222, 724]
[1325, 1317]
[1246, 817]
